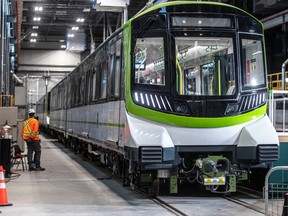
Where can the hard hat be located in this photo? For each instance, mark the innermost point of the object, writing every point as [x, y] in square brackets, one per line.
[31, 111]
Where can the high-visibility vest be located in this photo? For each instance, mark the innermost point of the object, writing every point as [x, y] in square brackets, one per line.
[30, 129]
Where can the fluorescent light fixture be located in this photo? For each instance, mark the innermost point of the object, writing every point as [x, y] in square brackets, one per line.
[38, 8]
[33, 40]
[256, 53]
[37, 19]
[61, 41]
[34, 34]
[35, 27]
[75, 28]
[86, 10]
[71, 35]
[63, 46]
[80, 20]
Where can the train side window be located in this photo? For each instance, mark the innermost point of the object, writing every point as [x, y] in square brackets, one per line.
[95, 84]
[68, 90]
[81, 91]
[115, 61]
[64, 94]
[103, 83]
[149, 61]
[117, 68]
[60, 97]
[88, 86]
[78, 87]
[117, 76]
[252, 63]
[122, 71]
[74, 92]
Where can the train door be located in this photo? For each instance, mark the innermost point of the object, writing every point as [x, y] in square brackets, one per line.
[114, 90]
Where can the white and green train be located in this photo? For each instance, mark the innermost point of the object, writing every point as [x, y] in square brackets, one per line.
[178, 93]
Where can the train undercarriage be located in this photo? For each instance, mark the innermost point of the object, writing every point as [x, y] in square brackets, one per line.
[213, 172]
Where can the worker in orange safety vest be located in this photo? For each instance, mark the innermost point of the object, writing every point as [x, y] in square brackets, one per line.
[30, 134]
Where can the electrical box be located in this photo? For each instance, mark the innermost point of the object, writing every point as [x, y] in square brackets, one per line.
[20, 96]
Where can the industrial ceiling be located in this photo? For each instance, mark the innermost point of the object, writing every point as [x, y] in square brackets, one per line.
[46, 23]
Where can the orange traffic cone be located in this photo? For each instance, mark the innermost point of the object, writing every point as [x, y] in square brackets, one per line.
[3, 194]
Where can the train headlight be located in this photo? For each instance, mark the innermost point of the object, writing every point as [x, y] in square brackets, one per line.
[232, 109]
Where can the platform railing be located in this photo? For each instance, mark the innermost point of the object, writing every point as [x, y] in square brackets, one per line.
[274, 192]
[6, 100]
[275, 81]
[278, 110]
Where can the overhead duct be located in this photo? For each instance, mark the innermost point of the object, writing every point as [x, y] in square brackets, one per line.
[111, 5]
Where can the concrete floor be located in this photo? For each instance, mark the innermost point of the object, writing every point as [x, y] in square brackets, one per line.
[70, 186]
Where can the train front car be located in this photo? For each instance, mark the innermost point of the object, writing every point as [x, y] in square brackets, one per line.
[196, 97]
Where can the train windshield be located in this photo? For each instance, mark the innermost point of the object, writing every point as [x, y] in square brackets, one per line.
[205, 66]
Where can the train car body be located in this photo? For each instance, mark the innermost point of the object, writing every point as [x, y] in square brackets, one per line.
[178, 93]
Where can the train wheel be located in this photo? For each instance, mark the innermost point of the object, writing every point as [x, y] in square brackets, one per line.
[153, 189]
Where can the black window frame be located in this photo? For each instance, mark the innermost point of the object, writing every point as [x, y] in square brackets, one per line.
[151, 34]
[244, 35]
[195, 33]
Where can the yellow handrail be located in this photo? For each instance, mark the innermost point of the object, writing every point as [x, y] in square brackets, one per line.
[6, 100]
[275, 81]
[219, 78]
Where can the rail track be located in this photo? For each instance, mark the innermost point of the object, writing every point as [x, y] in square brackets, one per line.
[185, 203]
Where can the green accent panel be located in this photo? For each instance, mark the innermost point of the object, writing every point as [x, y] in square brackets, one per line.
[146, 178]
[243, 176]
[93, 123]
[187, 121]
[127, 57]
[173, 185]
[278, 176]
[232, 183]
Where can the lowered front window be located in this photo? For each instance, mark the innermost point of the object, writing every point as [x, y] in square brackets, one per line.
[205, 66]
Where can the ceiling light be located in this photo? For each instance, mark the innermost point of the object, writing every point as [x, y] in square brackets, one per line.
[71, 35]
[75, 28]
[38, 8]
[86, 10]
[63, 46]
[80, 20]
[61, 41]
[37, 19]
[34, 34]
[33, 40]
[35, 27]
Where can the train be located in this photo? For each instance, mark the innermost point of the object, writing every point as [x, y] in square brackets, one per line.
[177, 94]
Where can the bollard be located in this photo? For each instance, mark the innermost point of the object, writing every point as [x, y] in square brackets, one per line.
[285, 206]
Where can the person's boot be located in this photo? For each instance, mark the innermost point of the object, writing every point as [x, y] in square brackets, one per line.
[39, 168]
[32, 169]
